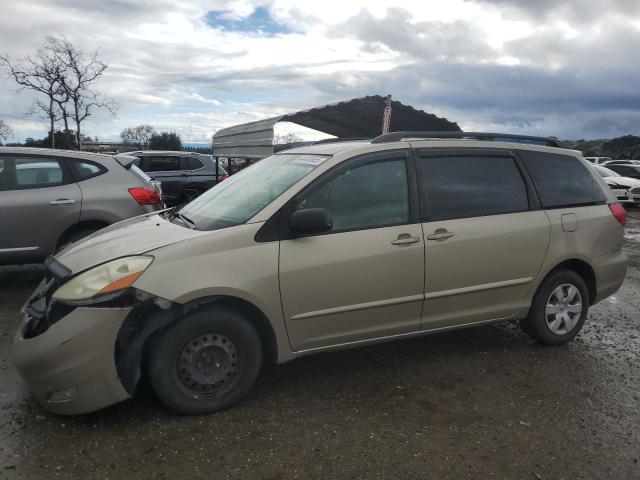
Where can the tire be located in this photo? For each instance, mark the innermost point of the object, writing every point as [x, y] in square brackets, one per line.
[551, 328]
[205, 361]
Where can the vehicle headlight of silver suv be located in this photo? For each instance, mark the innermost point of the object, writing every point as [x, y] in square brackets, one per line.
[106, 279]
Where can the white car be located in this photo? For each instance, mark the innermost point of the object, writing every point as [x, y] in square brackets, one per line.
[625, 188]
[598, 160]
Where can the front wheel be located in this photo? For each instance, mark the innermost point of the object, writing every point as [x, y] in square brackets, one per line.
[559, 309]
[205, 361]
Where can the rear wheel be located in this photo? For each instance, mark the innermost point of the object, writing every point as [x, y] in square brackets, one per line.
[205, 362]
[559, 308]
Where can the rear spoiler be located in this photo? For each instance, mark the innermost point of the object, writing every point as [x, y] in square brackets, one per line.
[125, 160]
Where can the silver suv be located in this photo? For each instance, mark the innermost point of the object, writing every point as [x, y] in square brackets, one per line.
[325, 247]
[50, 198]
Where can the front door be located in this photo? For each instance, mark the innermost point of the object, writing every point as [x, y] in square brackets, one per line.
[485, 240]
[39, 202]
[363, 279]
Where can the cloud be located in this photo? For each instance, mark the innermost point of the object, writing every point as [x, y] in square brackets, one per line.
[561, 67]
[572, 11]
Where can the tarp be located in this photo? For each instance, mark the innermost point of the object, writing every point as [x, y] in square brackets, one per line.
[359, 117]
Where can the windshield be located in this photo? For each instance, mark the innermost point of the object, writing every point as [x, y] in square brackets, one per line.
[237, 199]
[605, 172]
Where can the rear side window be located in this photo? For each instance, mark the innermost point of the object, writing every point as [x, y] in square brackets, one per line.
[471, 186]
[30, 172]
[624, 171]
[85, 170]
[370, 195]
[161, 164]
[561, 180]
[194, 163]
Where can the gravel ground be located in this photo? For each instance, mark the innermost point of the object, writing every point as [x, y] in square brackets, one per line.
[479, 403]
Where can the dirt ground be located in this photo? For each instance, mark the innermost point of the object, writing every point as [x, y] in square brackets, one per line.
[479, 403]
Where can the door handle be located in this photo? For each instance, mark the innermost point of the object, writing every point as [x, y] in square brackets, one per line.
[62, 201]
[440, 234]
[405, 239]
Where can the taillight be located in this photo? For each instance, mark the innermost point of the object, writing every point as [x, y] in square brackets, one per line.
[618, 212]
[145, 196]
[224, 177]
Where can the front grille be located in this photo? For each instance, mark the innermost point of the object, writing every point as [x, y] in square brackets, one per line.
[615, 186]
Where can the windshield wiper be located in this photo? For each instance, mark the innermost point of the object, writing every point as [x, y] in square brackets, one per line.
[186, 220]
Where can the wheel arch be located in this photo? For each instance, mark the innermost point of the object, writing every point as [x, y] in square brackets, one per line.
[251, 312]
[78, 227]
[145, 322]
[582, 268]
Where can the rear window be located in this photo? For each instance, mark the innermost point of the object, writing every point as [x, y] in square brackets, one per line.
[561, 180]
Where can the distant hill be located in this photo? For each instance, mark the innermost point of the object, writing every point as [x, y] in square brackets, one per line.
[627, 147]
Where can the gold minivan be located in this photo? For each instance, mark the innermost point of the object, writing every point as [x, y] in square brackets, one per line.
[330, 246]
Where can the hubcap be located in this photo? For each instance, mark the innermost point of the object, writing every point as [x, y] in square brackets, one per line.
[207, 364]
[563, 309]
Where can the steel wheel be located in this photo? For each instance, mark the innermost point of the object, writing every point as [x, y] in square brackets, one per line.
[563, 309]
[207, 365]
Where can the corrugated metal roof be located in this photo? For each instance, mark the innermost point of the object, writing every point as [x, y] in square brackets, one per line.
[359, 117]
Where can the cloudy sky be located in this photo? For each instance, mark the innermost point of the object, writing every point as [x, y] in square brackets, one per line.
[551, 67]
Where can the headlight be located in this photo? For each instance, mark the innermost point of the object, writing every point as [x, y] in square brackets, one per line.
[107, 278]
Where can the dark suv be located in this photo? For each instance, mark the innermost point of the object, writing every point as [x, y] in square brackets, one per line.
[184, 175]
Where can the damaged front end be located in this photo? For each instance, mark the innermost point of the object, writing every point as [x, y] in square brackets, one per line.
[81, 356]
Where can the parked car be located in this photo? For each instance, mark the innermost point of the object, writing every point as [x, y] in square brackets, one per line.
[325, 247]
[629, 170]
[184, 175]
[598, 160]
[626, 189]
[50, 198]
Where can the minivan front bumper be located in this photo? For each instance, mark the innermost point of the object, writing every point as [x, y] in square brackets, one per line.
[70, 368]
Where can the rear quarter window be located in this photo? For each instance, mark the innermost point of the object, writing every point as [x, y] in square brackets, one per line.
[194, 163]
[561, 180]
[84, 170]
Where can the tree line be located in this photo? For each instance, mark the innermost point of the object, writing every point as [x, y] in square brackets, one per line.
[63, 78]
[145, 137]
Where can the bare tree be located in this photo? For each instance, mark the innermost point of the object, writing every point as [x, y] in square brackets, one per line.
[287, 138]
[42, 73]
[5, 130]
[140, 135]
[81, 72]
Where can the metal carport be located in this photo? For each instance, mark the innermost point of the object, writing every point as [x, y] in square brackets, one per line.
[359, 117]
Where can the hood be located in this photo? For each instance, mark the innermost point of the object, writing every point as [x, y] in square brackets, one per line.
[132, 237]
[624, 181]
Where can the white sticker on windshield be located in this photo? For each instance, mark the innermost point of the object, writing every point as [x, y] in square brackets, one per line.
[314, 160]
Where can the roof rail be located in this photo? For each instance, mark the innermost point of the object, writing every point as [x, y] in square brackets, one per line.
[496, 137]
[340, 139]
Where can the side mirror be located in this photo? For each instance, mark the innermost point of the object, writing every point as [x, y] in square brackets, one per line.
[310, 221]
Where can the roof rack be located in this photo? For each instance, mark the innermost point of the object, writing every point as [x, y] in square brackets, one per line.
[496, 137]
[340, 139]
